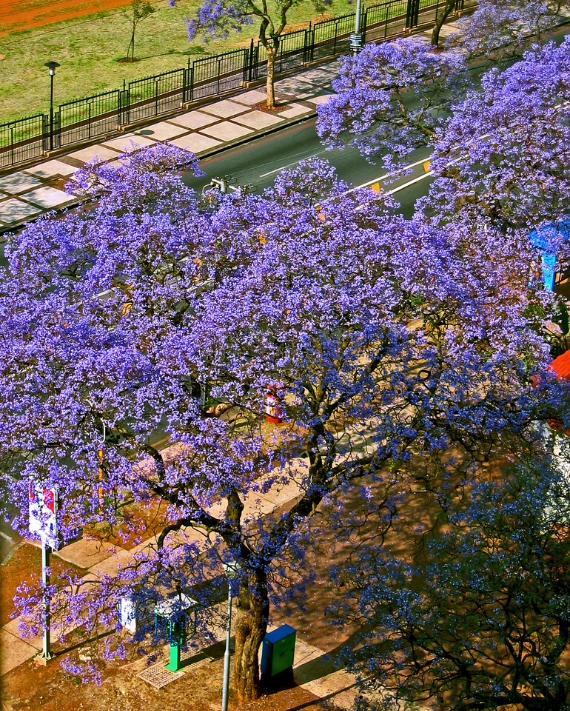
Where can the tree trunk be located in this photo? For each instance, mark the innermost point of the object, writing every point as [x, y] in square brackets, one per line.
[271, 52]
[131, 48]
[250, 629]
[441, 18]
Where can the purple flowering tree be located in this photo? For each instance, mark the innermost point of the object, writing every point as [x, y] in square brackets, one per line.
[218, 18]
[479, 619]
[391, 98]
[507, 25]
[152, 313]
[503, 154]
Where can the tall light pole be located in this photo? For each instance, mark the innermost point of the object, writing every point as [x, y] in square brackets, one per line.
[231, 569]
[46, 654]
[356, 36]
[52, 66]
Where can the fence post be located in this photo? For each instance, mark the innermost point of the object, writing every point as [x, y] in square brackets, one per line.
[413, 13]
[13, 143]
[57, 129]
[364, 26]
[45, 133]
[125, 105]
[335, 34]
[187, 83]
[410, 14]
[251, 60]
[256, 61]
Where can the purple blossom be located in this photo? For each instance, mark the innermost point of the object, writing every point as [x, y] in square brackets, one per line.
[503, 154]
[155, 313]
[388, 98]
[505, 26]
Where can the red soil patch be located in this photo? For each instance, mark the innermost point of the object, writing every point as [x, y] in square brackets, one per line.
[19, 15]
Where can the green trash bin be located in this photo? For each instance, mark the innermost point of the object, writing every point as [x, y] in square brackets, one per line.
[278, 654]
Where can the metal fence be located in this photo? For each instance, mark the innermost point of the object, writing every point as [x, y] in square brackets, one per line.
[106, 113]
[154, 95]
[23, 140]
[212, 76]
[328, 36]
[83, 119]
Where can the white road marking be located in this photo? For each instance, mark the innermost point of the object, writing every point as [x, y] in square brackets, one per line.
[391, 175]
[410, 182]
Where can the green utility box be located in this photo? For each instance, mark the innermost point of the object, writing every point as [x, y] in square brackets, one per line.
[278, 653]
[173, 614]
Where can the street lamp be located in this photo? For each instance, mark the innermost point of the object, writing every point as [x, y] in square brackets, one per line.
[52, 66]
[231, 569]
[356, 36]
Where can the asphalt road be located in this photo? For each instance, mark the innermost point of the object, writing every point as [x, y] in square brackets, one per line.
[258, 162]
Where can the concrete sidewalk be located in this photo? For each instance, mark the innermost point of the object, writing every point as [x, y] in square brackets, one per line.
[101, 559]
[314, 670]
[31, 192]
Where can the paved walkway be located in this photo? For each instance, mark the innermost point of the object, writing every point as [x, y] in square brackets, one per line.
[28, 193]
[314, 670]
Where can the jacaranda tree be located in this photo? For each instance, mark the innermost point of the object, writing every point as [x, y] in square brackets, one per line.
[503, 154]
[506, 26]
[149, 311]
[477, 617]
[219, 18]
[391, 98]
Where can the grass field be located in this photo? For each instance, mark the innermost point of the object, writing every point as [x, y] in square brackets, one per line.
[88, 49]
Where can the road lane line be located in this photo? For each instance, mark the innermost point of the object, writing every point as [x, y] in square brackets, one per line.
[388, 175]
[410, 182]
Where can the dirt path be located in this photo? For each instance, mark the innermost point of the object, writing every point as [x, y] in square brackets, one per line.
[19, 15]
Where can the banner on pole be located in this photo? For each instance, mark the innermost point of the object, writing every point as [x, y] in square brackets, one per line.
[43, 514]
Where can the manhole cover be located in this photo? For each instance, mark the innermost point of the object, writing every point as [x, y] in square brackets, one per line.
[158, 675]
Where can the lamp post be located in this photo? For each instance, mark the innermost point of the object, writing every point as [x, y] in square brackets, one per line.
[46, 654]
[231, 569]
[356, 36]
[52, 66]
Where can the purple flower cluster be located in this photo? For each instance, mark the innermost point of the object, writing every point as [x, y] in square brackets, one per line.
[139, 316]
[388, 98]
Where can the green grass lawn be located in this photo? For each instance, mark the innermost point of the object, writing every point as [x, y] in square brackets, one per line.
[88, 50]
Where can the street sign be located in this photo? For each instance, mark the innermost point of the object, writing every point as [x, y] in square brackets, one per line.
[43, 514]
[128, 614]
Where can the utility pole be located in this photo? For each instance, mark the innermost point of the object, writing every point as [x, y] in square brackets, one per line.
[232, 569]
[356, 36]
